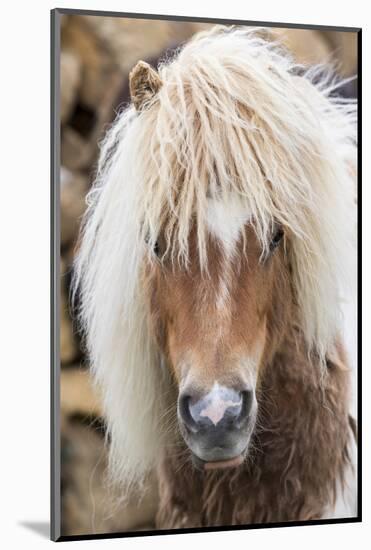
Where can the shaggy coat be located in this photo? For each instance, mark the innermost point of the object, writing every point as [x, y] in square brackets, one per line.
[299, 461]
[223, 145]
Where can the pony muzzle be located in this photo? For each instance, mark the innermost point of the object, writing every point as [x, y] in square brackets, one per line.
[217, 426]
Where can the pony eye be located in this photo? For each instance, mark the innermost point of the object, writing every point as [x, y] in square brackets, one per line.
[156, 249]
[276, 239]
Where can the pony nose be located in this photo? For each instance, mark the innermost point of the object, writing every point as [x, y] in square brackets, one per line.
[220, 409]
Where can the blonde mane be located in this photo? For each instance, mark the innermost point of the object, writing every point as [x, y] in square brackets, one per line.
[232, 116]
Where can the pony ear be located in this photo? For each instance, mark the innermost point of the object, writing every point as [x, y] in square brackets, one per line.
[144, 84]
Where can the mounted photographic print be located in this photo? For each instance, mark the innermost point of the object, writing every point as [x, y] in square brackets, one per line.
[204, 277]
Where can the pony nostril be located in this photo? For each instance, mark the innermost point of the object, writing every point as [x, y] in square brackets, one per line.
[185, 413]
[247, 401]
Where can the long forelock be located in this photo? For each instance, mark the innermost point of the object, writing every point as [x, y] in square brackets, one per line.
[234, 127]
[232, 119]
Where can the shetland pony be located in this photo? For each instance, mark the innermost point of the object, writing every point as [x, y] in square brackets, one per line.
[218, 240]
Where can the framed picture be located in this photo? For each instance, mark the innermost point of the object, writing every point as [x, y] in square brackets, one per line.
[205, 205]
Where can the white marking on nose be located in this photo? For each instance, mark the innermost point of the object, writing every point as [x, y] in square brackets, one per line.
[216, 410]
[218, 403]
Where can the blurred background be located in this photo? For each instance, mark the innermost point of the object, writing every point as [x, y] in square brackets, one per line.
[97, 54]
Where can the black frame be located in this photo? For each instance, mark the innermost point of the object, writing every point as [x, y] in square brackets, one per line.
[55, 449]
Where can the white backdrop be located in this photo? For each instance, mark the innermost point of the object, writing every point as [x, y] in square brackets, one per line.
[24, 288]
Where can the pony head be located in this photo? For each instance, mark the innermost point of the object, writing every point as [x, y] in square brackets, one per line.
[221, 215]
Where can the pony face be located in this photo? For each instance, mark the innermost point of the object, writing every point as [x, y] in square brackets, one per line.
[213, 331]
[221, 214]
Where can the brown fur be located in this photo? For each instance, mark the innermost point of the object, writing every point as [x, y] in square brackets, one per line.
[187, 320]
[299, 450]
[299, 453]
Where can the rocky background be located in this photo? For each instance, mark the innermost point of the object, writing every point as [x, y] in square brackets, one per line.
[97, 54]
